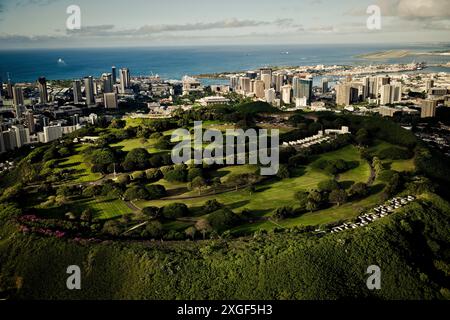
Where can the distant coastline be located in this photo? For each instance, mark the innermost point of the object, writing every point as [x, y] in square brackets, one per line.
[388, 54]
[395, 54]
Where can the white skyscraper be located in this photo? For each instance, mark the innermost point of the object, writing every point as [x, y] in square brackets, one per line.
[52, 133]
[270, 95]
[286, 93]
[22, 135]
[125, 80]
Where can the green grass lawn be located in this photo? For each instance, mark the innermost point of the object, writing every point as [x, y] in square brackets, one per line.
[82, 169]
[277, 193]
[403, 165]
[105, 208]
[109, 208]
[130, 144]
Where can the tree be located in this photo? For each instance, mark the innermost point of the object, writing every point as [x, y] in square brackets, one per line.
[359, 189]
[222, 219]
[175, 210]
[175, 175]
[136, 193]
[203, 226]
[329, 185]
[112, 227]
[92, 191]
[123, 179]
[194, 173]
[338, 197]
[315, 200]
[136, 159]
[302, 198]
[191, 232]
[283, 172]
[199, 183]
[211, 206]
[87, 215]
[153, 175]
[156, 191]
[101, 159]
[64, 152]
[152, 212]
[282, 213]
[377, 166]
[153, 229]
[362, 137]
[216, 183]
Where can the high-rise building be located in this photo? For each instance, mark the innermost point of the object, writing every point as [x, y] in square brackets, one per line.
[125, 80]
[259, 89]
[390, 93]
[2, 143]
[45, 121]
[234, 82]
[107, 83]
[429, 84]
[110, 100]
[302, 88]
[9, 89]
[29, 120]
[270, 95]
[366, 90]
[244, 84]
[52, 133]
[279, 81]
[267, 79]
[77, 95]
[9, 140]
[251, 74]
[428, 108]
[43, 93]
[346, 94]
[324, 85]
[373, 93]
[286, 93]
[113, 75]
[22, 135]
[76, 119]
[265, 74]
[381, 81]
[89, 91]
[18, 101]
[397, 92]
[386, 94]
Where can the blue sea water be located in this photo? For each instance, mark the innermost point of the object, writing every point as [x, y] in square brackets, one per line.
[175, 62]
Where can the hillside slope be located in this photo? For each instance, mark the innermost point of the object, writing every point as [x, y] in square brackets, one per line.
[411, 247]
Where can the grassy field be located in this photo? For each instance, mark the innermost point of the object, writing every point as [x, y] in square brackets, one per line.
[82, 169]
[403, 165]
[130, 144]
[109, 208]
[277, 193]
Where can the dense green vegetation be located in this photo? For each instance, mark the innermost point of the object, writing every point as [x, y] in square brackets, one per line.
[411, 248]
[143, 228]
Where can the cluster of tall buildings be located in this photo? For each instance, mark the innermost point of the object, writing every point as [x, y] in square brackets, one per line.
[274, 86]
[106, 87]
[379, 88]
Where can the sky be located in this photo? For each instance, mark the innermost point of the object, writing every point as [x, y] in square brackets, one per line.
[122, 23]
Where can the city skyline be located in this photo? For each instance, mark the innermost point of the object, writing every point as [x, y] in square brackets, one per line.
[177, 23]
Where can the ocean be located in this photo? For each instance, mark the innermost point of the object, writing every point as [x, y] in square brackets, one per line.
[175, 62]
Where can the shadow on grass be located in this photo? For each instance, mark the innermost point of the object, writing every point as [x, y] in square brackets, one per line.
[238, 204]
[346, 184]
